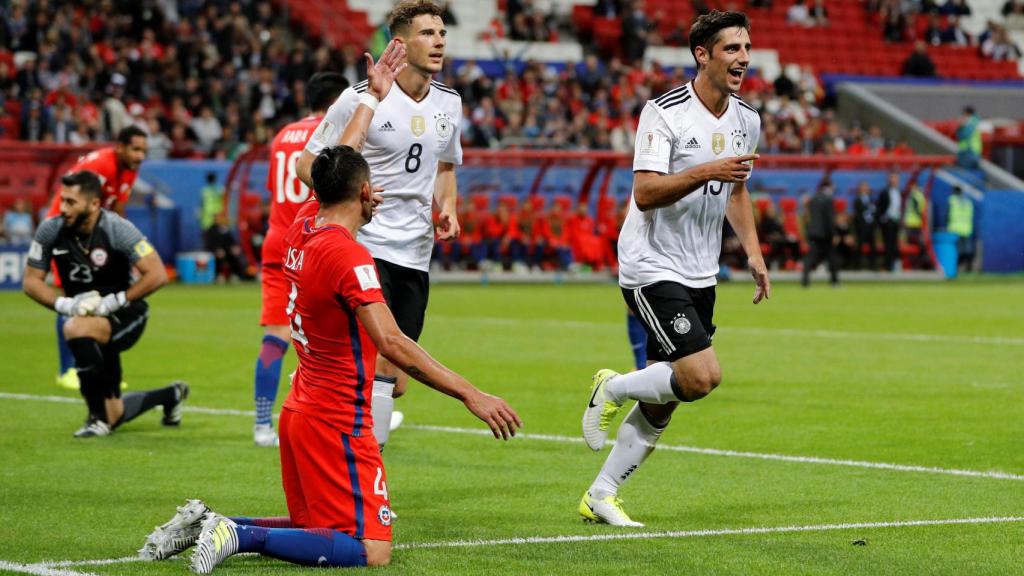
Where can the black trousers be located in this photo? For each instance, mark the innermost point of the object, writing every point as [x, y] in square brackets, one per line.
[820, 249]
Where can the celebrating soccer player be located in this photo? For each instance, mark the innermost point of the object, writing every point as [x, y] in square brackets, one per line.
[94, 251]
[287, 194]
[331, 469]
[692, 159]
[410, 138]
[117, 166]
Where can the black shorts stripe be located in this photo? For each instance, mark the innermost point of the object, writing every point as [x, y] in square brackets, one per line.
[673, 103]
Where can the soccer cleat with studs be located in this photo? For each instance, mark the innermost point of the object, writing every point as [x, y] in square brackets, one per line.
[216, 543]
[607, 510]
[92, 428]
[263, 435]
[172, 412]
[177, 534]
[600, 411]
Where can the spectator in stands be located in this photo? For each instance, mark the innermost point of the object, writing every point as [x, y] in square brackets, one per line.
[889, 209]
[919, 64]
[799, 15]
[635, 29]
[999, 46]
[501, 234]
[115, 114]
[558, 241]
[968, 137]
[933, 32]
[894, 27]
[864, 226]
[18, 227]
[447, 15]
[819, 13]
[821, 235]
[955, 8]
[207, 129]
[953, 34]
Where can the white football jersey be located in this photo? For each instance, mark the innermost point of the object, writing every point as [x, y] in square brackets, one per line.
[682, 242]
[405, 142]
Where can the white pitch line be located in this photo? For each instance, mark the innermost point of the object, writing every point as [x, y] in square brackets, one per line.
[703, 533]
[47, 568]
[38, 570]
[575, 440]
[835, 334]
[755, 455]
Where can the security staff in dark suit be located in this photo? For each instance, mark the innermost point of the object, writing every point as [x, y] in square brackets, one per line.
[821, 234]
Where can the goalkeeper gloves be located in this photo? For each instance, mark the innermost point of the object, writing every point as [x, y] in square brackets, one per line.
[79, 305]
[111, 303]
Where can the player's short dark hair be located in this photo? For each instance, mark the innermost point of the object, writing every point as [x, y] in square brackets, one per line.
[88, 182]
[323, 89]
[338, 174]
[706, 27]
[403, 14]
[128, 132]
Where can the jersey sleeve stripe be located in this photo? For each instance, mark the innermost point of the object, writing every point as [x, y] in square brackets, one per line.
[674, 102]
[444, 88]
[671, 94]
[745, 105]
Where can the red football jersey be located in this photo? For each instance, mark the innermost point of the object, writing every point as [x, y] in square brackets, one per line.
[331, 275]
[287, 192]
[117, 183]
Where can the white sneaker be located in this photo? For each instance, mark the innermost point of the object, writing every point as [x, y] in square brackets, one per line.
[216, 543]
[600, 411]
[264, 436]
[396, 420]
[177, 534]
[607, 510]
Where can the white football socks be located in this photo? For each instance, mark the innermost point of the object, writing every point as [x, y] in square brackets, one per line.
[382, 406]
[652, 385]
[633, 443]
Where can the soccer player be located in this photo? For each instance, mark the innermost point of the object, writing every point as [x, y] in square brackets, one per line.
[117, 166]
[331, 469]
[287, 194]
[691, 163]
[410, 138]
[94, 251]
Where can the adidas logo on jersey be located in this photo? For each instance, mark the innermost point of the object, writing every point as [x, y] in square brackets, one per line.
[692, 144]
[387, 127]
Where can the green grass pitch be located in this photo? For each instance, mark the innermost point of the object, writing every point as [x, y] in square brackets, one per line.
[914, 375]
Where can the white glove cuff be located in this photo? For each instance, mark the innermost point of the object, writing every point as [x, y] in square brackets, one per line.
[63, 305]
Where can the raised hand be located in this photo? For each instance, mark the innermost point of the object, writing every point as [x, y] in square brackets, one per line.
[381, 75]
[496, 413]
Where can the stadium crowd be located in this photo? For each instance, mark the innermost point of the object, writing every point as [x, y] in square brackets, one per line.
[207, 80]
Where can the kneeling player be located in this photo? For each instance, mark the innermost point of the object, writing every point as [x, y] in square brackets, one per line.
[94, 251]
[331, 469]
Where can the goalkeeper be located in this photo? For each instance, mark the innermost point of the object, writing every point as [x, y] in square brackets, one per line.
[94, 251]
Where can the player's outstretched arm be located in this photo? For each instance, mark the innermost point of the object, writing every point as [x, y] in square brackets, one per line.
[416, 362]
[740, 213]
[655, 190]
[380, 76]
[34, 286]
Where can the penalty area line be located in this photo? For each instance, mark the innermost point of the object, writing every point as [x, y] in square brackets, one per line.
[576, 440]
[677, 534]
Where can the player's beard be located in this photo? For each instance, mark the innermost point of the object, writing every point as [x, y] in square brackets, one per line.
[78, 222]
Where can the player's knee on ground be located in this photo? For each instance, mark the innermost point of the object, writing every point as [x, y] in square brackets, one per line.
[84, 327]
[378, 552]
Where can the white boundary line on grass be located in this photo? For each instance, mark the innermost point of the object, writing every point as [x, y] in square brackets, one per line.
[39, 569]
[702, 533]
[835, 334]
[574, 440]
[55, 568]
